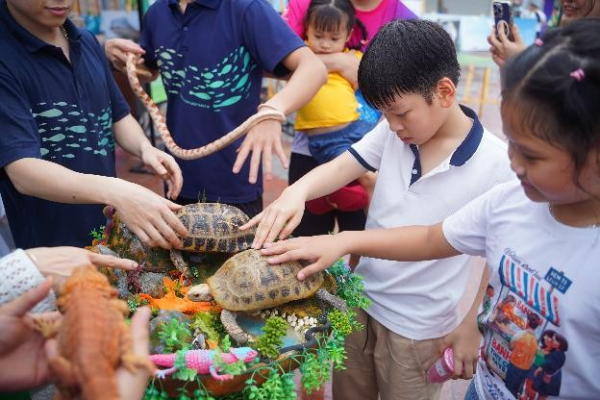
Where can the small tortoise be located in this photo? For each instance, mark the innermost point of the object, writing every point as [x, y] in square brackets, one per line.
[247, 282]
[212, 227]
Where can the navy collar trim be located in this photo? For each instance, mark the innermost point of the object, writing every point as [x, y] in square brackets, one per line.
[31, 42]
[469, 146]
[462, 154]
[415, 173]
[214, 4]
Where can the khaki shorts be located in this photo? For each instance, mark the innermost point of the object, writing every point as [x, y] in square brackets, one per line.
[381, 363]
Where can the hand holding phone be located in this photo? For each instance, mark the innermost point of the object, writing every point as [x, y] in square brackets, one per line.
[503, 17]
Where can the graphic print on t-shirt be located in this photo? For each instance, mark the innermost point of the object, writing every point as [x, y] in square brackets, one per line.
[522, 346]
[223, 85]
[65, 131]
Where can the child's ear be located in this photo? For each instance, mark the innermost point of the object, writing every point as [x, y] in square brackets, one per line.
[445, 91]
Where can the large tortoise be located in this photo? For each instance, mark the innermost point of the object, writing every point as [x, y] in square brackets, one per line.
[247, 282]
[212, 227]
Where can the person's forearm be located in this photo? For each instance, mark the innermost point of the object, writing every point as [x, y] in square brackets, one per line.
[51, 181]
[306, 80]
[412, 243]
[130, 136]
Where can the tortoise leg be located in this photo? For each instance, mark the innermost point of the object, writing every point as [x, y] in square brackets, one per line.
[233, 329]
[333, 300]
[179, 263]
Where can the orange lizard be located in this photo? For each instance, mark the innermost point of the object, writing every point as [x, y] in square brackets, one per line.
[93, 339]
[170, 301]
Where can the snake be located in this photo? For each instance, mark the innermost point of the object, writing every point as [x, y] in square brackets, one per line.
[161, 125]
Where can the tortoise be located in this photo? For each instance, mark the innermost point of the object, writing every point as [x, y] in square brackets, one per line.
[212, 227]
[247, 282]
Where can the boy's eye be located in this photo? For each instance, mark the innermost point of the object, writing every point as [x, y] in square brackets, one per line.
[530, 157]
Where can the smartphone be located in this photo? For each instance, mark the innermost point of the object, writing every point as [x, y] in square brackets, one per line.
[503, 17]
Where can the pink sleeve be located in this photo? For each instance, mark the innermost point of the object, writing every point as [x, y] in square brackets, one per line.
[294, 15]
[403, 12]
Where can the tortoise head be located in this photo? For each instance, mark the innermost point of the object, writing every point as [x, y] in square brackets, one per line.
[200, 292]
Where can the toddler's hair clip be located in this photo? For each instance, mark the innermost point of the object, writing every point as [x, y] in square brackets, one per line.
[538, 42]
[578, 74]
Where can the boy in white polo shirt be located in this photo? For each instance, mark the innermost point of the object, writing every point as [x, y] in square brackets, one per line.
[432, 156]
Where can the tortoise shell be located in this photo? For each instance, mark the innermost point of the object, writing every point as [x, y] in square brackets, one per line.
[214, 227]
[247, 282]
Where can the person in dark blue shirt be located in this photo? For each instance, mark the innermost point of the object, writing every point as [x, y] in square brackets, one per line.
[212, 55]
[60, 116]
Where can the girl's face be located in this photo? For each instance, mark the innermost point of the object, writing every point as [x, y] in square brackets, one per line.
[39, 15]
[547, 173]
[575, 9]
[322, 42]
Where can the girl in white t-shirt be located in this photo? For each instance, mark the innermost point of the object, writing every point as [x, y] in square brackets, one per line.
[540, 233]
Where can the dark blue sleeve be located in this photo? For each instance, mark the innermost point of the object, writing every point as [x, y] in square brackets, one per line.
[19, 137]
[146, 41]
[268, 38]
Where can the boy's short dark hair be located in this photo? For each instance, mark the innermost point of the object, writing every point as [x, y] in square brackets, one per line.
[407, 56]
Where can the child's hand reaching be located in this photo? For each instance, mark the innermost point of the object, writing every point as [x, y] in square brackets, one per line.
[321, 251]
[465, 341]
[279, 219]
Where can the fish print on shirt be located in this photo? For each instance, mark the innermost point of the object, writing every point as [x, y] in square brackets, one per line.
[220, 86]
[66, 131]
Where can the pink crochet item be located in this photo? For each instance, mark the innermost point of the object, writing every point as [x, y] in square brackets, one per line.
[202, 361]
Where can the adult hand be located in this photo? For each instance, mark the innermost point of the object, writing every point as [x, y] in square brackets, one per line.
[23, 361]
[116, 51]
[321, 251]
[279, 219]
[502, 48]
[149, 216]
[131, 385]
[59, 262]
[346, 64]
[165, 166]
[261, 141]
[465, 341]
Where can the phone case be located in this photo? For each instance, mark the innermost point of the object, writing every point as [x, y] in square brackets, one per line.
[503, 17]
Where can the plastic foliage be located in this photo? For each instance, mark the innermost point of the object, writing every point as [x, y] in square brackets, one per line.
[183, 372]
[226, 344]
[350, 287]
[236, 368]
[210, 325]
[134, 302]
[97, 235]
[277, 386]
[277, 383]
[315, 371]
[269, 343]
[175, 335]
